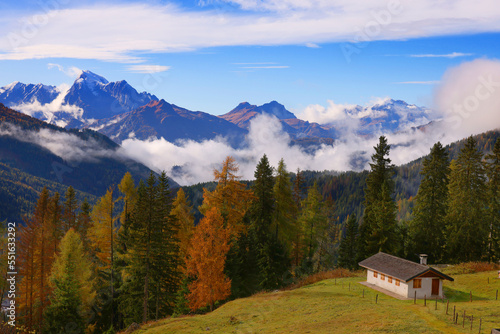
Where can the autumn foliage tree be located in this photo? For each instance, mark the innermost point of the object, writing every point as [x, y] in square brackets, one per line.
[206, 260]
[182, 214]
[35, 258]
[230, 197]
[71, 280]
[102, 237]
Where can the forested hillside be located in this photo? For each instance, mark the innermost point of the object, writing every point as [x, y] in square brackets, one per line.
[346, 189]
[19, 192]
[34, 154]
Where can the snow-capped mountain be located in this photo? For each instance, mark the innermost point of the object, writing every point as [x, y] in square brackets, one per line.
[17, 93]
[160, 119]
[102, 99]
[120, 111]
[245, 112]
[90, 97]
[393, 116]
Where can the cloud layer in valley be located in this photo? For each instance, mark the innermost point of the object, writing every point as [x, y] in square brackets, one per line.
[467, 101]
[190, 162]
[67, 146]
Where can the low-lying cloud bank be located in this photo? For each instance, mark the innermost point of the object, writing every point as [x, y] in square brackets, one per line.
[467, 101]
[67, 146]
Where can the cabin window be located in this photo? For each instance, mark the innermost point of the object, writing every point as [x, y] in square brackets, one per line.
[382, 277]
[389, 279]
[397, 282]
[417, 283]
[375, 274]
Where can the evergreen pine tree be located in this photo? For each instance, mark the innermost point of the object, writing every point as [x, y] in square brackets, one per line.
[69, 209]
[262, 208]
[380, 174]
[272, 257]
[314, 223]
[467, 230]
[427, 229]
[349, 244]
[285, 210]
[493, 172]
[384, 237]
[152, 272]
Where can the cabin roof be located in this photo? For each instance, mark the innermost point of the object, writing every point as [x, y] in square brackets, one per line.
[399, 268]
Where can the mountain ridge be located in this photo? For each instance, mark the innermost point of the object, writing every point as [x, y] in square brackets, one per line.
[110, 107]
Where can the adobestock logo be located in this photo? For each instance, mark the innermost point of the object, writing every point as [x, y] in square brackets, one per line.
[381, 19]
[484, 90]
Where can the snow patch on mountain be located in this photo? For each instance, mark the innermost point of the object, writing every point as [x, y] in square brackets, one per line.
[55, 112]
[379, 115]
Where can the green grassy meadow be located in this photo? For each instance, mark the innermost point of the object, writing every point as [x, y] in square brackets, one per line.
[329, 306]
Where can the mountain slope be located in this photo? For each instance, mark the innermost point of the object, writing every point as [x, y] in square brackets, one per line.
[17, 93]
[19, 192]
[245, 112]
[84, 159]
[342, 305]
[90, 97]
[102, 99]
[162, 119]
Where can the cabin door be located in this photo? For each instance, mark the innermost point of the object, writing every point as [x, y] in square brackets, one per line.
[435, 286]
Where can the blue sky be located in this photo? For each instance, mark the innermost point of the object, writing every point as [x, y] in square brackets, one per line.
[211, 55]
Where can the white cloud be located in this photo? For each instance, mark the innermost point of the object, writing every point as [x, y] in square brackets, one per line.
[50, 110]
[349, 114]
[448, 55]
[460, 88]
[313, 45]
[266, 136]
[469, 97]
[323, 115]
[72, 71]
[148, 68]
[84, 33]
[67, 146]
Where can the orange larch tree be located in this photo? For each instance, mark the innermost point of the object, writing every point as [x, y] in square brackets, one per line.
[36, 255]
[206, 260]
[183, 215]
[231, 197]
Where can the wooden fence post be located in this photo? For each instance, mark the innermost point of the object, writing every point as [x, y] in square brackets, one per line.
[480, 323]
[363, 293]
[436, 306]
[376, 299]
[415, 297]
[447, 305]
[425, 300]
[463, 321]
[471, 321]
[471, 296]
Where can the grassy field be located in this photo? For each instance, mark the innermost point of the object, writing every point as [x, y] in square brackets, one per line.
[330, 306]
